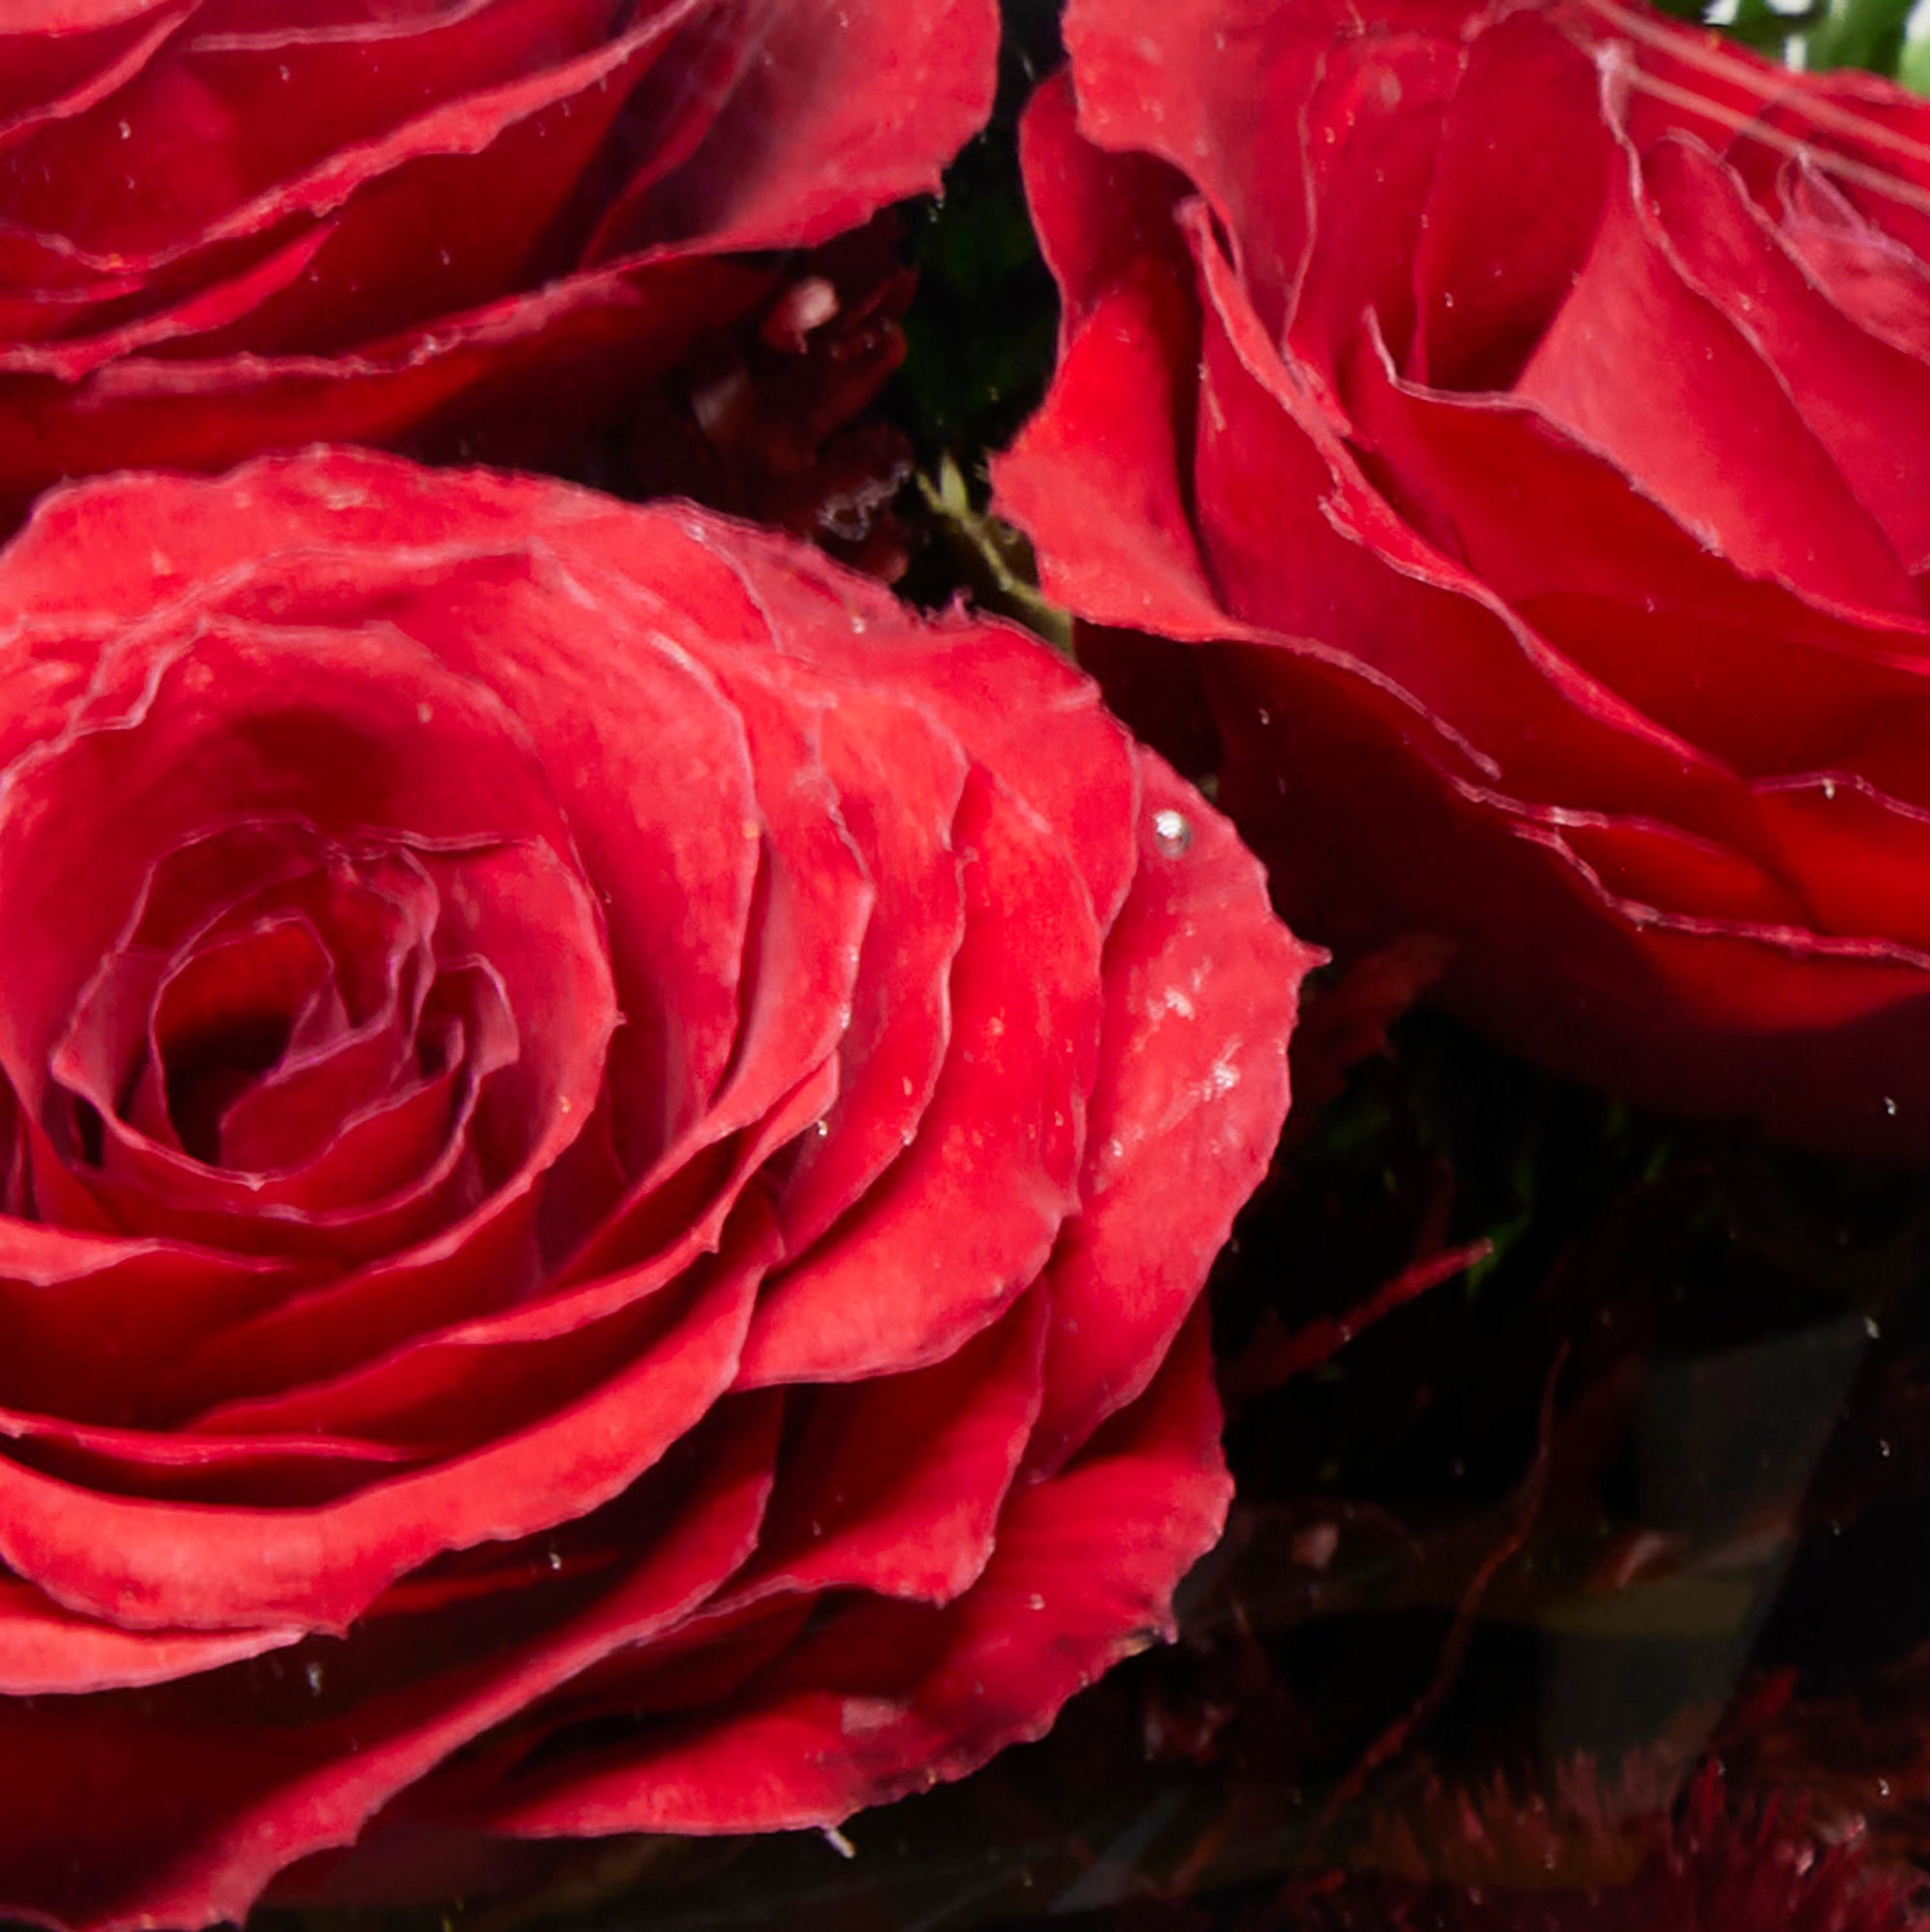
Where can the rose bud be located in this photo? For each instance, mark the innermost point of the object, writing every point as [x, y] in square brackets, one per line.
[228, 226]
[1527, 407]
[610, 1144]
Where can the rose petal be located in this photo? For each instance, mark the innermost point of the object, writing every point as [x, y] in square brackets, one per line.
[1705, 425]
[1201, 987]
[895, 1484]
[900, 783]
[1372, 151]
[1267, 468]
[887, 1698]
[961, 1225]
[810, 143]
[1496, 257]
[216, 1798]
[153, 1566]
[46, 1651]
[1868, 403]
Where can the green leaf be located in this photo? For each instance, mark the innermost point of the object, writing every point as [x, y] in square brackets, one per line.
[1860, 33]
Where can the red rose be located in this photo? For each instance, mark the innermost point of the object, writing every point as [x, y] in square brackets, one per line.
[221, 233]
[1529, 404]
[609, 1142]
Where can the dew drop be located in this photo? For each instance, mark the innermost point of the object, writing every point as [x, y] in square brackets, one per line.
[1890, 1106]
[127, 132]
[311, 1671]
[1171, 832]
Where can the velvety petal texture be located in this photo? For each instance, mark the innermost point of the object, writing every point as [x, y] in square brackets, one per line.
[1554, 537]
[611, 1143]
[227, 227]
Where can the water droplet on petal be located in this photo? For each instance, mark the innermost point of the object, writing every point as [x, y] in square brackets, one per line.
[1172, 833]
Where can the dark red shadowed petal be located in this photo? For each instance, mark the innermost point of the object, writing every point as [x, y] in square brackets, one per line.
[435, 218]
[58, 57]
[541, 361]
[850, 105]
[46, 1651]
[113, 1055]
[264, 1470]
[885, 1699]
[469, 241]
[1201, 987]
[295, 148]
[214, 1793]
[68, 342]
[88, 1317]
[385, 1178]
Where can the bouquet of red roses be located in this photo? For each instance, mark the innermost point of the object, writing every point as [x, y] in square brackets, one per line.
[613, 1132]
